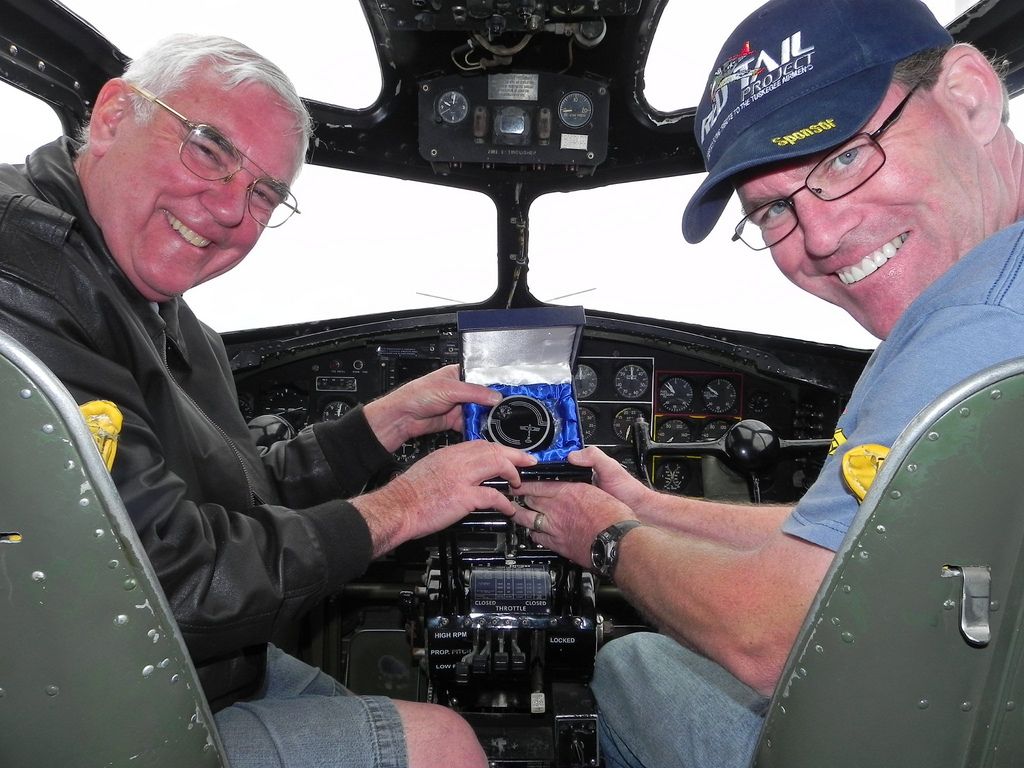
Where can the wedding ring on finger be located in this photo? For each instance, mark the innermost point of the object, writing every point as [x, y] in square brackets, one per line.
[538, 523]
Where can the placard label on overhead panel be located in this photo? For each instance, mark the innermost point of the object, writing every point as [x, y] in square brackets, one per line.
[574, 141]
[516, 86]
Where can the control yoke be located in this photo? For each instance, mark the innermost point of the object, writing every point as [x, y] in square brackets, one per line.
[748, 446]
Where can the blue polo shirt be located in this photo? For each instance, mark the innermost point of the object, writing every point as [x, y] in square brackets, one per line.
[969, 319]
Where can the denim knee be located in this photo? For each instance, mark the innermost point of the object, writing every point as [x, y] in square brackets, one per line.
[663, 705]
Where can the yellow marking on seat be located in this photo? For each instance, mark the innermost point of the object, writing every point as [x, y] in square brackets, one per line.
[104, 420]
[860, 467]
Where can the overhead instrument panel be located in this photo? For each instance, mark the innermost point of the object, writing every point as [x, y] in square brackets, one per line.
[520, 118]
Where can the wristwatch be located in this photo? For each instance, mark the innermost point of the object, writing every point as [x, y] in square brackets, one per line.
[604, 552]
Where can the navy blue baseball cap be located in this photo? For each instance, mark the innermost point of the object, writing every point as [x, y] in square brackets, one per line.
[797, 77]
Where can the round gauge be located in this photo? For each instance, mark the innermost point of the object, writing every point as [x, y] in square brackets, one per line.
[588, 422]
[452, 107]
[520, 422]
[335, 409]
[631, 381]
[714, 429]
[719, 395]
[585, 381]
[675, 394]
[575, 109]
[674, 431]
[671, 475]
[409, 451]
[759, 402]
[623, 421]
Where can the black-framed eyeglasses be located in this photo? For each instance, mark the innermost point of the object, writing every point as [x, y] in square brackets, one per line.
[843, 170]
[210, 155]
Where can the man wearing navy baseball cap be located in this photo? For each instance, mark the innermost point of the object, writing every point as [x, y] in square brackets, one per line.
[795, 80]
[872, 159]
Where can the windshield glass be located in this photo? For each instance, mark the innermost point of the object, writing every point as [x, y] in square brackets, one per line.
[366, 244]
[363, 244]
[627, 254]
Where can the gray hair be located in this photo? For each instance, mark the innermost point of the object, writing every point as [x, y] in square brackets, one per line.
[924, 68]
[167, 66]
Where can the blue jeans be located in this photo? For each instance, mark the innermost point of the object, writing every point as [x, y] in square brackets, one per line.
[304, 718]
[663, 706]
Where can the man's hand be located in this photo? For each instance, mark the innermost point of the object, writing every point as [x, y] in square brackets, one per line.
[612, 477]
[431, 403]
[440, 489]
[573, 515]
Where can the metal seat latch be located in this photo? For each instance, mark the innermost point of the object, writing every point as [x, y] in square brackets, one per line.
[974, 601]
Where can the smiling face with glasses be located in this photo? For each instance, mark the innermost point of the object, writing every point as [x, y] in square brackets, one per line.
[873, 248]
[210, 155]
[179, 202]
[842, 171]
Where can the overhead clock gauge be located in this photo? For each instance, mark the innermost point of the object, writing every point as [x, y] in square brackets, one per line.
[452, 107]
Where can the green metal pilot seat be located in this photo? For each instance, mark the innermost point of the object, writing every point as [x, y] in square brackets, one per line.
[911, 655]
[93, 668]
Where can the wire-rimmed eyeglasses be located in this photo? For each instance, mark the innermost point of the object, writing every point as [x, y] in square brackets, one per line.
[210, 155]
[843, 170]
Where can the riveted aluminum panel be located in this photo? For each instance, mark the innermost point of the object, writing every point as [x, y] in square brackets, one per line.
[881, 673]
[93, 669]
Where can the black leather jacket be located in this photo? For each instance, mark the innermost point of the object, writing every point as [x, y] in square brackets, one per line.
[243, 544]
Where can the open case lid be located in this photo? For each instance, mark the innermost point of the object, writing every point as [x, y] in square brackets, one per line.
[520, 346]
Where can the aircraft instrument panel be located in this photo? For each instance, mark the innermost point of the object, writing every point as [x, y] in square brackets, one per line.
[678, 392]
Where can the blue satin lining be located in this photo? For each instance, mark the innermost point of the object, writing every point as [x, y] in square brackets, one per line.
[557, 398]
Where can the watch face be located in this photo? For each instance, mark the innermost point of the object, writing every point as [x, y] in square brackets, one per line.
[597, 554]
[604, 552]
